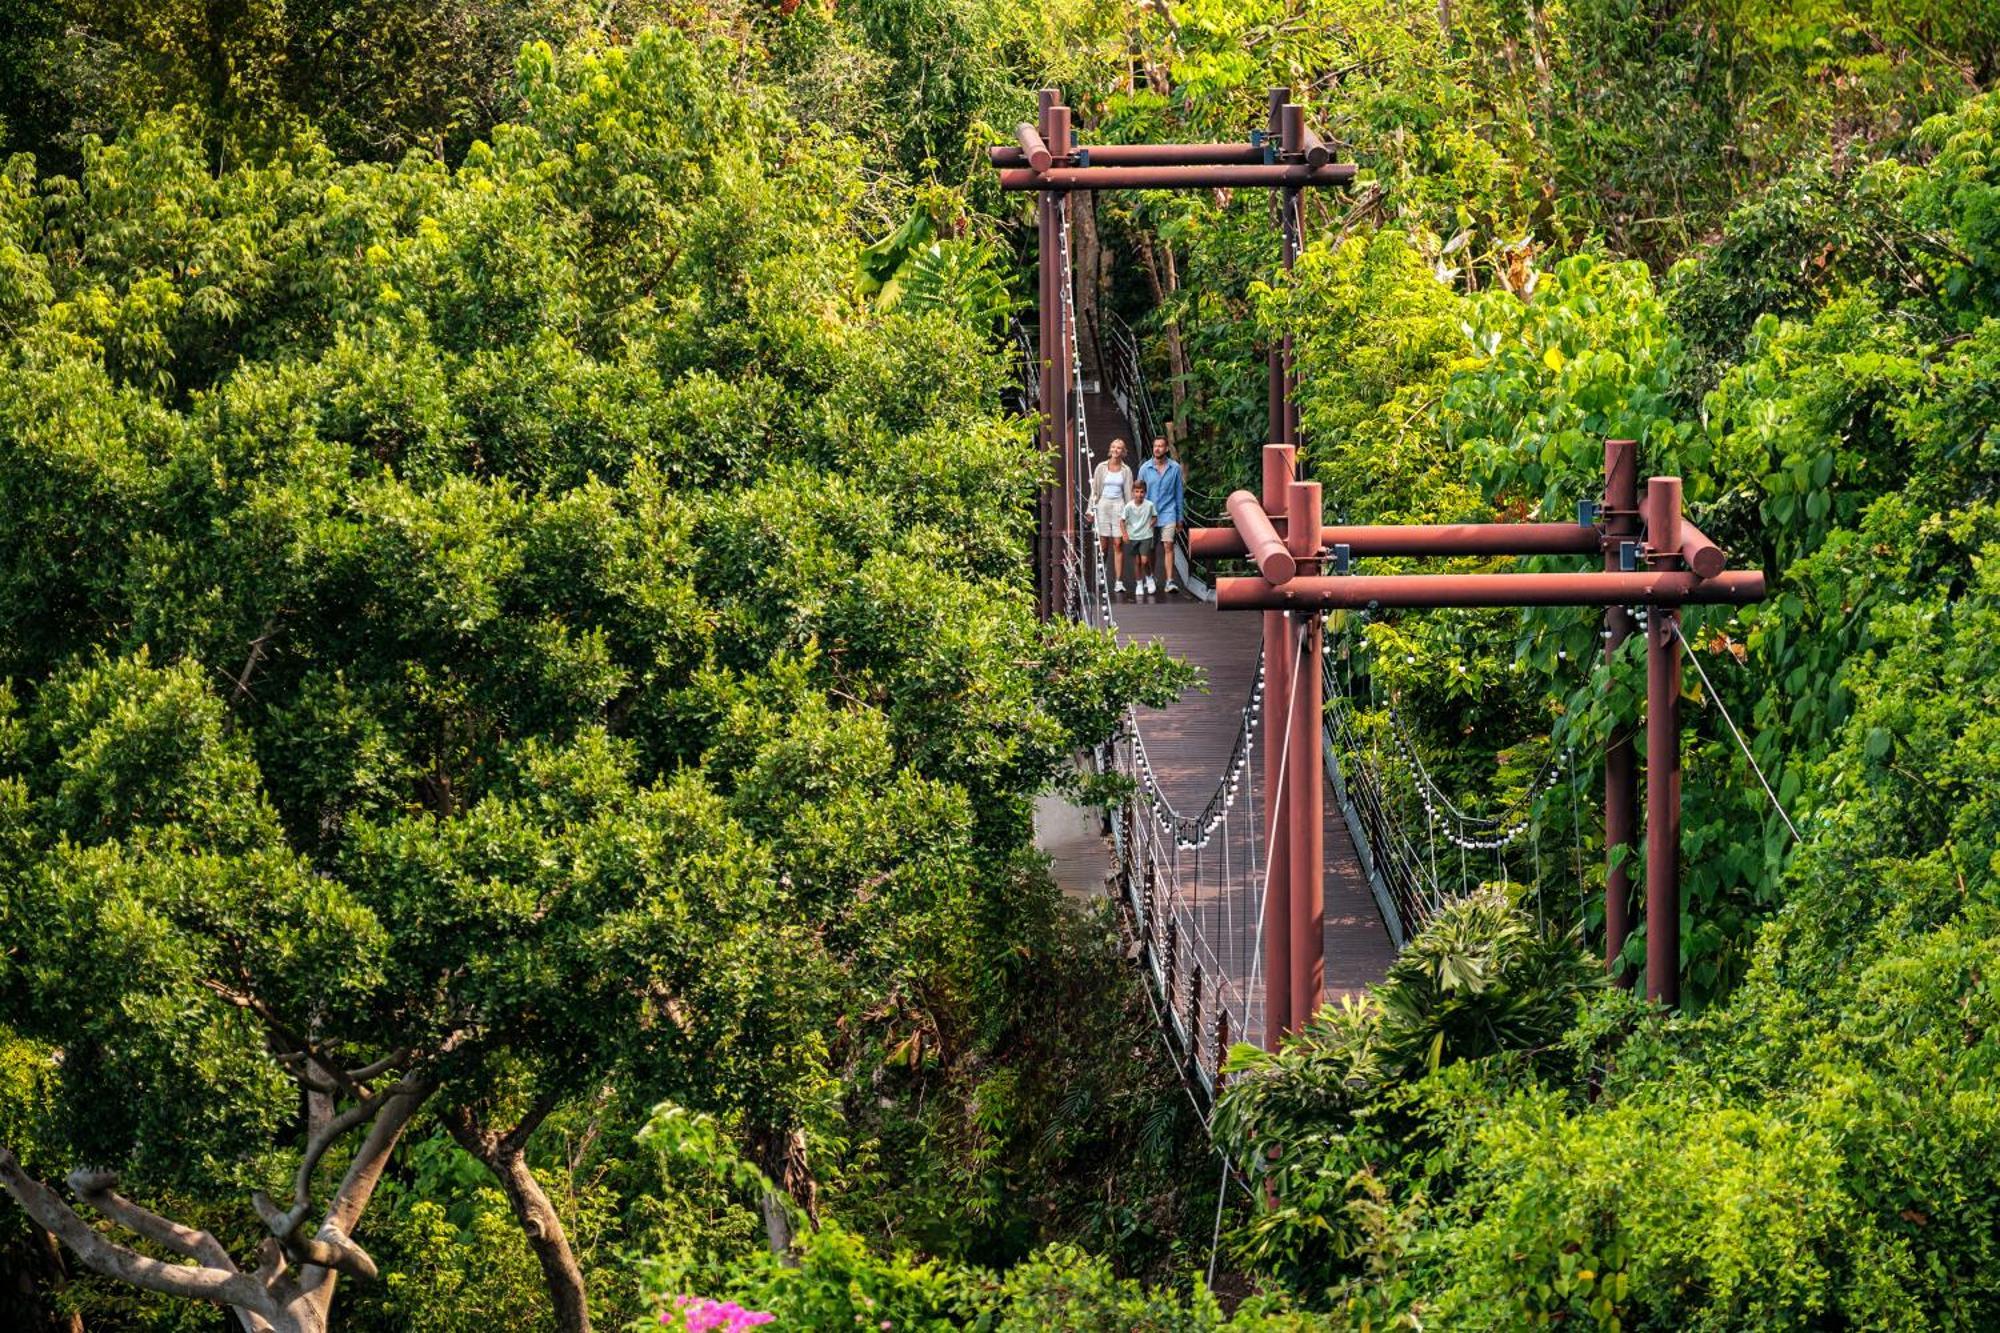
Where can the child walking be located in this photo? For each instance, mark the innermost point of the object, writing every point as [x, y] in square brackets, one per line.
[1135, 525]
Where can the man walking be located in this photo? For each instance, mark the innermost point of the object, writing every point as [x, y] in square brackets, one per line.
[1162, 475]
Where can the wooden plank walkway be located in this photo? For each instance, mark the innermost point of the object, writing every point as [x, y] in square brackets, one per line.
[1189, 744]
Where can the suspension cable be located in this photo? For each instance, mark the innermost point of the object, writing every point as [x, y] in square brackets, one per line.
[1741, 744]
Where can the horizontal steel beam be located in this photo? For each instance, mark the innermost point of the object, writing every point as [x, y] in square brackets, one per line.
[1384, 591]
[1314, 149]
[1034, 154]
[1146, 155]
[1424, 539]
[1267, 548]
[1177, 178]
[1703, 556]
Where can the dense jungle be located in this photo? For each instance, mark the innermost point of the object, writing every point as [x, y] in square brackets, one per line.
[522, 704]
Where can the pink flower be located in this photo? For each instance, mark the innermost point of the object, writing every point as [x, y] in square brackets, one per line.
[699, 1314]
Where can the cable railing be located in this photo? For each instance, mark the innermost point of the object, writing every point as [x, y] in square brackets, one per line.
[1192, 832]
[1400, 874]
[1027, 395]
[1126, 382]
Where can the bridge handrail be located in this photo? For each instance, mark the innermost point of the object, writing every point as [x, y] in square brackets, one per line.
[1406, 895]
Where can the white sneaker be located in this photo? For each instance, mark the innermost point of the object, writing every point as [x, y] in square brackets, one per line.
[1118, 586]
[1171, 586]
[1151, 587]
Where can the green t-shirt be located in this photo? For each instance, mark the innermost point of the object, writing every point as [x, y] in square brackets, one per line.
[1138, 518]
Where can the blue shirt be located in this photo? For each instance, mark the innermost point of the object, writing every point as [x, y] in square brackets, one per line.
[1163, 488]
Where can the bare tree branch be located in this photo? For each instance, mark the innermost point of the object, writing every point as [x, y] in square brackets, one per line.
[358, 1186]
[99, 1189]
[330, 1249]
[328, 1134]
[264, 636]
[298, 1048]
[381, 1067]
[103, 1255]
[517, 1138]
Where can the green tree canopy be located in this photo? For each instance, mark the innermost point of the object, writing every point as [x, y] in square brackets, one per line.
[479, 632]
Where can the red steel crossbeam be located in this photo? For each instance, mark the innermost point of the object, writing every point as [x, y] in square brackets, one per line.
[1702, 556]
[1276, 176]
[1421, 539]
[1354, 592]
[1010, 157]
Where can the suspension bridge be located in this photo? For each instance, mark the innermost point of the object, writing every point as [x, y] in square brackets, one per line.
[1251, 897]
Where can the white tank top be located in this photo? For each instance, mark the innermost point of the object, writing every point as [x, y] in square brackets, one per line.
[1113, 484]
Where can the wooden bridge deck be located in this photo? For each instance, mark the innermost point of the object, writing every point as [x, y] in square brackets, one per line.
[1189, 744]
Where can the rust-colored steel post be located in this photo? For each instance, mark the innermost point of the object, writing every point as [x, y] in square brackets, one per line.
[1663, 755]
[1307, 806]
[1664, 529]
[1277, 961]
[1663, 807]
[1275, 478]
[1051, 586]
[1621, 782]
[1274, 367]
[1057, 135]
[1292, 129]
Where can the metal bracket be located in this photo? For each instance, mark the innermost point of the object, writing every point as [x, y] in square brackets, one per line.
[1343, 557]
[1257, 138]
[1083, 157]
[1586, 513]
[1628, 557]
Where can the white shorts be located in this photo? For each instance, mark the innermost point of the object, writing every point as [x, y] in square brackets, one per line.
[1109, 512]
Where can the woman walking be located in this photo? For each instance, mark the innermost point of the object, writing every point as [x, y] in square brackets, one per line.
[1110, 488]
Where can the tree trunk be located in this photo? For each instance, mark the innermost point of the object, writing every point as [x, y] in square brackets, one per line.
[1088, 263]
[547, 1238]
[782, 1156]
[301, 1314]
[31, 1273]
[777, 1228]
[1163, 285]
[540, 1223]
